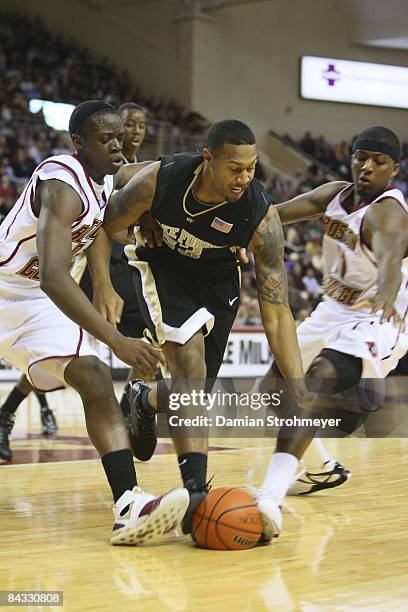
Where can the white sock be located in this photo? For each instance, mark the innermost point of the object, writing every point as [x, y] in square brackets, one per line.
[279, 475]
[316, 454]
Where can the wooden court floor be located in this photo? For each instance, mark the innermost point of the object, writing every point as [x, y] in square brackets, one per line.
[341, 550]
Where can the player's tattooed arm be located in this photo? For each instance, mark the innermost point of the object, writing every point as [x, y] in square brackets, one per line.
[267, 244]
[310, 205]
[126, 205]
[385, 231]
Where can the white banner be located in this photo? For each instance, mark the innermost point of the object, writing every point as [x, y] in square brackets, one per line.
[339, 80]
[247, 354]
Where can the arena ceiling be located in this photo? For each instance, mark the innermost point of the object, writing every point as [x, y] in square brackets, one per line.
[189, 7]
[377, 23]
[372, 22]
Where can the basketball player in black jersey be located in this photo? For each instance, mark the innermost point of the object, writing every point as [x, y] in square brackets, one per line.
[207, 204]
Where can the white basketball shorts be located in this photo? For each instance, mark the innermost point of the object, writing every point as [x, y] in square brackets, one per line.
[40, 340]
[335, 326]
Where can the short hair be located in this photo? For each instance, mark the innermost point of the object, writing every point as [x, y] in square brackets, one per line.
[87, 114]
[131, 105]
[95, 120]
[229, 131]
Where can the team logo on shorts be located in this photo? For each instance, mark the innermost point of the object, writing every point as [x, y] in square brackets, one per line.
[373, 349]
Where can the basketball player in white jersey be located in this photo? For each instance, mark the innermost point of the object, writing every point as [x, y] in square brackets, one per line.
[130, 324]
[358, 331]
[47, 324]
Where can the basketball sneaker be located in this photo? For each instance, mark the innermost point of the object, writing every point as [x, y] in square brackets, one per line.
[6, 425]
[270, 513]
[49, 425]
[331, 474]
[142, 430]
[197, 494]
[143, 518]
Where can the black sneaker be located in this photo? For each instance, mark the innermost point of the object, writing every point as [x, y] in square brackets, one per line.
[197, 494]
[142, 430]
[331, 474]
[6, 425]
[48, 422]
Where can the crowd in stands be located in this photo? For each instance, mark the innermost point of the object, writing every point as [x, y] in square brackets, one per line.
[68, 73]
[304, 265]
[36, 64]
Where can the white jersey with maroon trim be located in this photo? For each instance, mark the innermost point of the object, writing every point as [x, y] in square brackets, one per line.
[19, 267]
[350, 268]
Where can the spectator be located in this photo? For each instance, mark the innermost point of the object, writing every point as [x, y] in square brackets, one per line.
[311, 284]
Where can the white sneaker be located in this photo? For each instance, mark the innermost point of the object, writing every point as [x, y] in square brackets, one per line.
[271, 515]
[147, 518]
[331, 474]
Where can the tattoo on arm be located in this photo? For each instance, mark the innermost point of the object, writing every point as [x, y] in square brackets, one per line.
[268, 244]
[126, 205]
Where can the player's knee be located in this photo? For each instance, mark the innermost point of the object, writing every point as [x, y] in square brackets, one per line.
[91, 377]
[333, 372]
[321, 376]
[188, 363]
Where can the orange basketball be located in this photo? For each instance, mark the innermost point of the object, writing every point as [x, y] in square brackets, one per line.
[227, 519]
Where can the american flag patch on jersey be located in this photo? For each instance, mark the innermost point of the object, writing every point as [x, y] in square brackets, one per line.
[221, 226]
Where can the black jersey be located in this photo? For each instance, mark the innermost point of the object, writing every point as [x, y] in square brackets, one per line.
[199, 236]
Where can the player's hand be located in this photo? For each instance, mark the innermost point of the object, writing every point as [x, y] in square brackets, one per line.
[125, 236]
[386, 306]
[150, 230]
[138, 354]
[242, 256]
[109, 304]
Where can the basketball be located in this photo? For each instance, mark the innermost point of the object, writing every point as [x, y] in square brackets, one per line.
[227, 519]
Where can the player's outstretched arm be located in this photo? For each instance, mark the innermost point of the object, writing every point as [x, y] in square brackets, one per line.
[385, 231]
[126, 205]
[127, 172]
[105, 299]
[310, 205]
[60, 207]
[267, 244]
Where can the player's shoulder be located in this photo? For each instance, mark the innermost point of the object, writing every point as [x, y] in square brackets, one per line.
[390, 203]
[256, 189]
[67, 168]
[187, 159]
[333, 187]
[388, 213]
[65, 160]
[62, 175]
[178, 168]
[325, 195]
[391, 195]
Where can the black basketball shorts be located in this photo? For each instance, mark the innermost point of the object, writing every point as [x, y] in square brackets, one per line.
[176, 303]
[132, 323]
